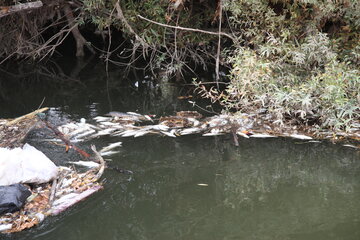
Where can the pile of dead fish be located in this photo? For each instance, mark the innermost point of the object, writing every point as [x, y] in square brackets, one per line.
[132, 124]
[184, 123]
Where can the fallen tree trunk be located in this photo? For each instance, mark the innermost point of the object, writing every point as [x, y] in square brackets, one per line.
[7, 10]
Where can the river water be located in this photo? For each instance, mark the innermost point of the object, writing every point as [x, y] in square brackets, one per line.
[190, 187]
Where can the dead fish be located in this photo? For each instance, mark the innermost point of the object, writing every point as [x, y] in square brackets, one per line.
[128, 133]
[111, 146]
[69, 200]
[88, 164]
[194, 122]
[188, 131]
[169, 134]
[240, 133]
[203, 184]
[212, 134]
[350, 145]
[105, 124]
[158, 127]
[142, 133]
[92, 126]
[85, 134]
[301, 137]
[260, 135]
[102, 119]
[130, 116]
[78, 131]
[105, 132]
[109, 153]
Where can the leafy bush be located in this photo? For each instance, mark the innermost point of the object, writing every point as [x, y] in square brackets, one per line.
[290, 66]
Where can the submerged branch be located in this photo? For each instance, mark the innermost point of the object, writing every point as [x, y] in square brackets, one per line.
[65, 140]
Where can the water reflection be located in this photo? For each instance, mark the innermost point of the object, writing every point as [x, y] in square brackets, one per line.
[265, 189]
[76, 89]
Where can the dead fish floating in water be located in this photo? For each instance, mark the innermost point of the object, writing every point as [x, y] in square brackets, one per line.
[123, 124]
[189, 114]
[259, 135]
[192, 130]
[108, 153]
[88, 164]
[131, 116]
[301, 137]
[178, 122]
[111, 146]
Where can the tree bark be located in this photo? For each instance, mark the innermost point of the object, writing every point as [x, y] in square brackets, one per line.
[80, 40]
[121, 17]
[7, 10]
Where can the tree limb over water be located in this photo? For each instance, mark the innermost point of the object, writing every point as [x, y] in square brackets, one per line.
[190, 29]
[7, 10]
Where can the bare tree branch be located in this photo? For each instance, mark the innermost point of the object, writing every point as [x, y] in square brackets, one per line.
[121, 17]
[189, 29]
[4, 11]
[217, 64]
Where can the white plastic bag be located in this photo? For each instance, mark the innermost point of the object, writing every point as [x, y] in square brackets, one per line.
[25, 165]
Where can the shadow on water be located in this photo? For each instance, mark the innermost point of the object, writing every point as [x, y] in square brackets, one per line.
[75, 87]
[195, 187]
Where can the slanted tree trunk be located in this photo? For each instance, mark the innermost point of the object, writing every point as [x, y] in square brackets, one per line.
[80, 40]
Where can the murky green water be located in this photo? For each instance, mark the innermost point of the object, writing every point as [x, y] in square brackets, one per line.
[195, 187]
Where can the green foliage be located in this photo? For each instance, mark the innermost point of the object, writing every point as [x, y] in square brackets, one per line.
[290, 66]
[170, 48]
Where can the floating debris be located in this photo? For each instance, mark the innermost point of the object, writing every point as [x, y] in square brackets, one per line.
[14, 131]
[53, 189]
[70, 188]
